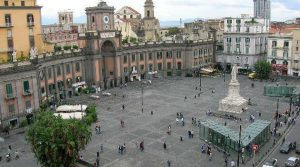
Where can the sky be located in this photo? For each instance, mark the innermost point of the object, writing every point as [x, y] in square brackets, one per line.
[166, 10]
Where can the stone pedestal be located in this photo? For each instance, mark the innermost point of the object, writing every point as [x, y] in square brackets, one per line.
[233, 103]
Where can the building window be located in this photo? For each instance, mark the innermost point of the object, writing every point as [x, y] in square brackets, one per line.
[247, 40]
[68, 69]
[274, 53]
[49, 73]
[286, 44]
[77, 67]
[125, 59]
[150, 56]
[238, 49]
[11, 108]
[169, 54]
[169, 66]
[179, 66]
[133, 58]
[297, 48]
[22, 3]
[5, 3]
[148, 13]
[142, 67]
[26, 87]
[238, 40]
[58, 72]
[9, 90]
[131, 16]
[30, 19]
[7, 19]
[274, 43]
[238, 21]
[141, 57]
[247, 29]
[93, 19]
[159, 66]
[229, 40]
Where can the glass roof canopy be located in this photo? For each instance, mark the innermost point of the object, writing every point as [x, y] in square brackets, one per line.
[247, 135]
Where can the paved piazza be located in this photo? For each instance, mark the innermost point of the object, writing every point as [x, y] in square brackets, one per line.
[165, 97]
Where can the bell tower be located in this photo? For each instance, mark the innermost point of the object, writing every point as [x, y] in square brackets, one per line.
[149, 9]
[150, 23]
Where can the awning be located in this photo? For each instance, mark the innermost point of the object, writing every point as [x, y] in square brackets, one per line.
[79, 84]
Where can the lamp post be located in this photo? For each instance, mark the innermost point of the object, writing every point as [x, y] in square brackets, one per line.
[142, 97]
[276, 116]
[291, 101]
[239, 147]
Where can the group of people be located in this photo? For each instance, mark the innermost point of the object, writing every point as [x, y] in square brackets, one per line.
[180, 117]
[122, 148]
[8, 155]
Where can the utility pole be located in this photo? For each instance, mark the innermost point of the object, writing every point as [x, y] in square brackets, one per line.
[142, 97]
[276, 117]
[200, 88]
[291, 101]
[239, 147]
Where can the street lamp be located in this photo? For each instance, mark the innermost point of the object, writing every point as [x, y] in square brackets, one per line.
[239, 147]
[276, 116]
[291, 101]
[142, 97]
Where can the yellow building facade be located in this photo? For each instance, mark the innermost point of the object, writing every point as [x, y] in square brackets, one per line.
[20, 29]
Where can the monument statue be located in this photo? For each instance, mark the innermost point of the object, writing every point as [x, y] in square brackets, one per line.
[32, 53]
[233, 103]
[14, 56]
[234, 73]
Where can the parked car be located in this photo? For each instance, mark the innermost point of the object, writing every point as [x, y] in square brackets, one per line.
[286, 147]
[298, 149]
[292, 162]
[271, 163]
[106, 94]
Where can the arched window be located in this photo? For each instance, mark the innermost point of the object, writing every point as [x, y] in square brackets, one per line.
[148, 13]
[30, 19]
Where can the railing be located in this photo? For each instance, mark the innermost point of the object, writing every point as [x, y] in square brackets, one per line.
[30, 24]
[6, 25]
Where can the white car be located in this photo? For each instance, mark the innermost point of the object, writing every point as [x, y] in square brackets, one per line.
[94, 97]
[106, 94]
[270, 163]
[292, 162]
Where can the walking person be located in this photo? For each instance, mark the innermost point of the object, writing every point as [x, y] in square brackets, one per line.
[169, 163]
[165, 145]
[210, 156]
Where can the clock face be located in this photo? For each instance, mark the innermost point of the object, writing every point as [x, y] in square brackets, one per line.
[106, 19]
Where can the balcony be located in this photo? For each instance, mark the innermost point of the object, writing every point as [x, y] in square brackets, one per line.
[6, 25]
[27, 93]
[30, 24]
[10, 97]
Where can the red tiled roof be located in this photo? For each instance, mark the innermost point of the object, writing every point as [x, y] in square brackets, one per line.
[283, 28]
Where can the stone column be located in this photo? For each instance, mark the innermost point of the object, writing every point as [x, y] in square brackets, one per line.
[174, 62]
[122, 68]
[146, 64]
[129, 65]
[55, 81]
[116, 72]
[83, 65]
[137, 59]
[73, 72]
[155, 61]
[64, 80]
[164, 63]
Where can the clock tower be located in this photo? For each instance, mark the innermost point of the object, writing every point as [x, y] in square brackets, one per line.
[101, 43]
[100, 17]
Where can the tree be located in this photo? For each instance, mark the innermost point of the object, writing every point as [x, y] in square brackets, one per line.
[55, 141]
[173, 31]
[263, 69]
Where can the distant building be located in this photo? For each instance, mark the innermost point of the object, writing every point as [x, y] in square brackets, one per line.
[65, 33]
[262, 9]
[128, 21]
[245, 41]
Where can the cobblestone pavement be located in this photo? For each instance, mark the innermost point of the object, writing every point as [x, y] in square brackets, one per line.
[165, 97]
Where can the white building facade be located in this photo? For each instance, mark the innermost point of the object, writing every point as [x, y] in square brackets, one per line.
[245, 42]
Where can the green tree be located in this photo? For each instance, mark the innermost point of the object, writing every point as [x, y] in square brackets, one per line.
[173, 31]
[263, 69]
[56, 142]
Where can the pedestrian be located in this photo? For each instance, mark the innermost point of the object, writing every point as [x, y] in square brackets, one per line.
[182, 122]
[259, 114]
[195, 96]
[181, 138]
[165, 145]
[124, 147]
[142, 146]
[210, 156]
[101, 148]
[185, 98]
[123, 107]
[151, 112]
[177, 115]
[192, 133]
[232, 164]
[169, 163]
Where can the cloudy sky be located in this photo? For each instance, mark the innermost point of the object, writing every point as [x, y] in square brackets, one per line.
[174, 9]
